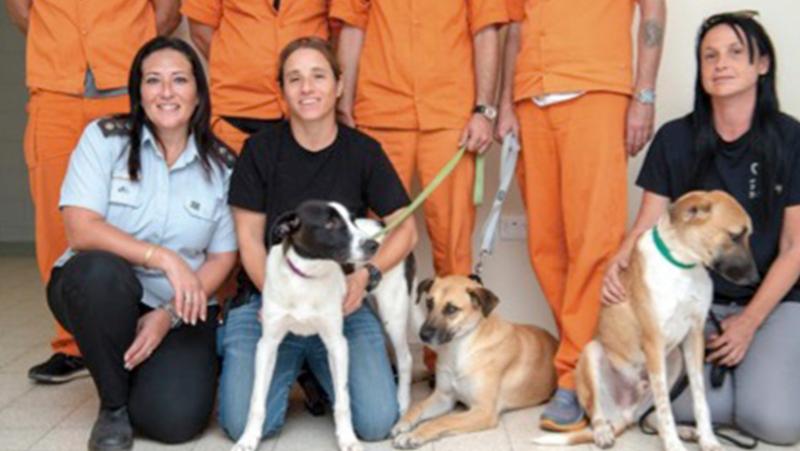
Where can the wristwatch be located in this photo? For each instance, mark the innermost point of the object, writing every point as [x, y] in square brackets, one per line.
[645, 96]
[375, 276]
[488, 111]
[174, 319]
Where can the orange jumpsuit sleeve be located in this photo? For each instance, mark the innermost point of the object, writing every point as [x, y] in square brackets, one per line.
[208, 12]
[483, 13]
[351, 12]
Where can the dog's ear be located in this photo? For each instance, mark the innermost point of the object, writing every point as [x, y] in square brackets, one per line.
[484, 299]
[287, 224]
[692, 208]
[423, 288]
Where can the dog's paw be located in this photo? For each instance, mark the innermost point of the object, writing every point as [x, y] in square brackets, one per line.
[688, 433]
[353, 445]
[407, 440]
[603, 434]
[245, 445]
[399, 428]
[710, 445]
[673, 444]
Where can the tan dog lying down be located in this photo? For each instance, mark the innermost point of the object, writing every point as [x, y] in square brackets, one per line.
[635, 356]
[487, 364]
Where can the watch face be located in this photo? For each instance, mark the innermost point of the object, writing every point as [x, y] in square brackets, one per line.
[487, 111]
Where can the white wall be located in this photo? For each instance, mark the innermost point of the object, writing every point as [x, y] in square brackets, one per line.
[508, 271]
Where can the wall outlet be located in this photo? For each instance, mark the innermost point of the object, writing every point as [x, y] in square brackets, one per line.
[513, 228]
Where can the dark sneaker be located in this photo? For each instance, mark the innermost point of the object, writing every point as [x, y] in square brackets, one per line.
[112, 430]
[59, 368]
[316, 402]
[563, 413]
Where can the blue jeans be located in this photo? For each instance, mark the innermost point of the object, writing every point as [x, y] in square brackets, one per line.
[373, 392]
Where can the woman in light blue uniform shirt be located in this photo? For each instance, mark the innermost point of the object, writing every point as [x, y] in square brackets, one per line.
[151, 239]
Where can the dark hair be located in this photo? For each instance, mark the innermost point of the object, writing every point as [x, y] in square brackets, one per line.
[309, 42]
[199, 122]
[764, 135]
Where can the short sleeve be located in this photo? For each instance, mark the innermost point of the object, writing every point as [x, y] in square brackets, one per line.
[88, 180]
[351, 12]
[655, 173]
[224, 237]
[208, 12]
[385, 193]
[248, 187]
[483, 13]
[793, 171]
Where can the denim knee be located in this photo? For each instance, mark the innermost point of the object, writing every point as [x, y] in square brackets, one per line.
[375, 423]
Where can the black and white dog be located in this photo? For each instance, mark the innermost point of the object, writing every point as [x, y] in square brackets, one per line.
[303, 293]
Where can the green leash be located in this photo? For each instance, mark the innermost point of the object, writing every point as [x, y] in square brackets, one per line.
[477, 192]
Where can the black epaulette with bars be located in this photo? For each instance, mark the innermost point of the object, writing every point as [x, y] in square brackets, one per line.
[115, 126]
[226, 154]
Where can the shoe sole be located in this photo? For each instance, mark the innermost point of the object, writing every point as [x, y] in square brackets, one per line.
[111, 448]
[53, 380]
[552, 426]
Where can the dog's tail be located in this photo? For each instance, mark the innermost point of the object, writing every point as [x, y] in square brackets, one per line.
[585, 435]
[564, 439]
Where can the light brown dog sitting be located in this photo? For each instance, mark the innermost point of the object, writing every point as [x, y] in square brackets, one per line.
[636, 353]
[485, 363]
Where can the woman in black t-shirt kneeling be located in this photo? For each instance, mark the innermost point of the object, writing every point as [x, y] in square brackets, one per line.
[311, 157]
[737, 140]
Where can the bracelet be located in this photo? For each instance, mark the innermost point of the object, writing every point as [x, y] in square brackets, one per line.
[148, 254]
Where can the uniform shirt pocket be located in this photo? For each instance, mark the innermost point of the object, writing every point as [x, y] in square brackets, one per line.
[124, 191]
[202, 208]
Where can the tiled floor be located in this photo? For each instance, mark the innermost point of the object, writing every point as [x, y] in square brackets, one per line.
[36, 417]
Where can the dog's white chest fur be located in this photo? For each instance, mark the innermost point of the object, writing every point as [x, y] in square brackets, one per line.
[679, 297]
[302, 304]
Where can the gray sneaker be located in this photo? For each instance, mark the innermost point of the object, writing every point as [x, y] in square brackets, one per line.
[563, 413]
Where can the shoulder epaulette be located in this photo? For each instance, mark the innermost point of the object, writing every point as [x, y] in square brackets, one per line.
[115, 126]
[226, 154]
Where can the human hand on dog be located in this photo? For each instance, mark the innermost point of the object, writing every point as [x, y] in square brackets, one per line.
[150, 330]
[639, 126]
[356, 290]
[507, 122]
[190, 298]
[477, 135]
[613, 292]
[730, 348]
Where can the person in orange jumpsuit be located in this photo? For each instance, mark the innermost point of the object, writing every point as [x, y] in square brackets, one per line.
[571, 93]
[78, 53]
[241, 41]
[420, 77]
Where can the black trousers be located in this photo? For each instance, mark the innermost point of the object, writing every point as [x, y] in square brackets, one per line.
[96, 296]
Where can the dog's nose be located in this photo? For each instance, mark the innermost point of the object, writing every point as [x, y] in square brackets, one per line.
[371, 246]
[426, 333]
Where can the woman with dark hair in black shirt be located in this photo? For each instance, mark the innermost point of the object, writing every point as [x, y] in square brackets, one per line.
[311, 157]
[737, 140]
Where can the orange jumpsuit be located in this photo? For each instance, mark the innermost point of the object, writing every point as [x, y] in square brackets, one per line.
[572, 169]
[243, 64]
[65, 38]
[415, 95]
